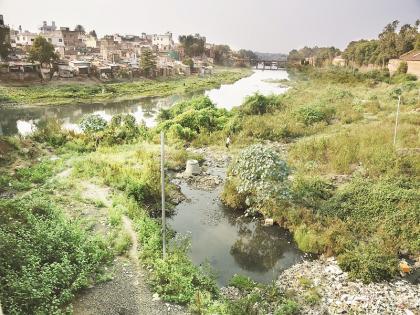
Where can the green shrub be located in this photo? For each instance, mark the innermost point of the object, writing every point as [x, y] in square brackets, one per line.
[369, 262]
[311, 191]
[185, 120]
[49, 131]
[314, 113]
[241, 282]
[259, 104]
[261, 175]
[45, 257]
[308, 239]
[289, 307]
[231, 197]
[93, 123]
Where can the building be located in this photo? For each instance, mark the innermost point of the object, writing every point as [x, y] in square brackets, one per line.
[54, 37]
[413, 63]
[163, 42]
[48, 28]
[24, 38]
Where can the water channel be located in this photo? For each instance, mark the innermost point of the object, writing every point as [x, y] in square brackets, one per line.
[225, 239]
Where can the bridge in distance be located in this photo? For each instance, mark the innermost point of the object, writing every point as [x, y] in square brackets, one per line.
[265, 64]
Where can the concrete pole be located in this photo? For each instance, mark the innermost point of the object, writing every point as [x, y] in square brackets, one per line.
[396, 119]
[162, 173]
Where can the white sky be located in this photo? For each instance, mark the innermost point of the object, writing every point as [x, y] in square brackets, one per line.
[262, 25]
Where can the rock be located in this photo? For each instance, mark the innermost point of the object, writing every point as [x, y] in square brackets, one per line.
[155, 297]
[192, 168]
[268, 222]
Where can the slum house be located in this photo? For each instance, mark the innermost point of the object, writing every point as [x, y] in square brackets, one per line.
[20, 71]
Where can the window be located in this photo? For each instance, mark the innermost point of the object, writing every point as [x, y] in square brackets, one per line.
[60, 40]
[32, 39]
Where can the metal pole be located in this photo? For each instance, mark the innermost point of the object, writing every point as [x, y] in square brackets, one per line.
[396, 119]
[162, 179]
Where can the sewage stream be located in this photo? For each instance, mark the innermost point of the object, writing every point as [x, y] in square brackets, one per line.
[230, 242]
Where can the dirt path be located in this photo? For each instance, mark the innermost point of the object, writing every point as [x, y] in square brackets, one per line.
[127, 293]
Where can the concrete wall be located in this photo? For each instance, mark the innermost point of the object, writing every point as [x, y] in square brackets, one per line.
[413, 67]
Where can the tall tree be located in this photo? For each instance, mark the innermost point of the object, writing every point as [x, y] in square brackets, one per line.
[5, 46]
[222, 54]
[42, 51]
[194, 45]
[79, 28]
[147, 62]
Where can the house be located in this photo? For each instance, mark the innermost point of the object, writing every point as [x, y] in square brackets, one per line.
[163, 42]
[80, 67]
[21, 71]
[65, 71]
[413, 63]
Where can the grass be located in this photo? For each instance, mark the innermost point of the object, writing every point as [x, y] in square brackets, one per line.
[339, 125]
[82, 93]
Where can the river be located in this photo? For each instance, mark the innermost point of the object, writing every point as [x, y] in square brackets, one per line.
[225, 239]
[23, 119]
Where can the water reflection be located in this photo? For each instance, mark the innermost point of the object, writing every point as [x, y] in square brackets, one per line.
[230, 242]
[22, 120]
[231, 95]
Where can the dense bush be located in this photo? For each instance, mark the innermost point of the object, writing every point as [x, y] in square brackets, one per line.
[261, 175]
[185, 120]
[93, 123]
[50, 131]
[369, 263]
[311, 191]
[45, 257]
[259, 104]
[314, 113]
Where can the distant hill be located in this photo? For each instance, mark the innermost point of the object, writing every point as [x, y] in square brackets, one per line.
[271, 56]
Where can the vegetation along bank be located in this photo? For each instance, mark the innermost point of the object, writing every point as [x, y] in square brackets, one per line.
[88, 92]
[319, 160]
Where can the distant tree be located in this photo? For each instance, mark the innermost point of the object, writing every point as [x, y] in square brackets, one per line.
[321, 55]
[5, 46]
[388, 42]
[93, 33]
[42, 51]
[189, 62]
[79, 28]
[222, 54]
[148, 62]
[194, 45]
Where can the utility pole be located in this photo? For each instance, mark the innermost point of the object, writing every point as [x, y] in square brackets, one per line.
[396, 119]
[162, 179]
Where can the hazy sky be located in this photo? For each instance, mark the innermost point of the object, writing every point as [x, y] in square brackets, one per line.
[262, 25]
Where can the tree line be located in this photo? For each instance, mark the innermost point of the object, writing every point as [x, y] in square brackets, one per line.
[392, 42]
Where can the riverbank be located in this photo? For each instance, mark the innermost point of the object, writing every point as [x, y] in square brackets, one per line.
[50, 94]
[350, 195]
